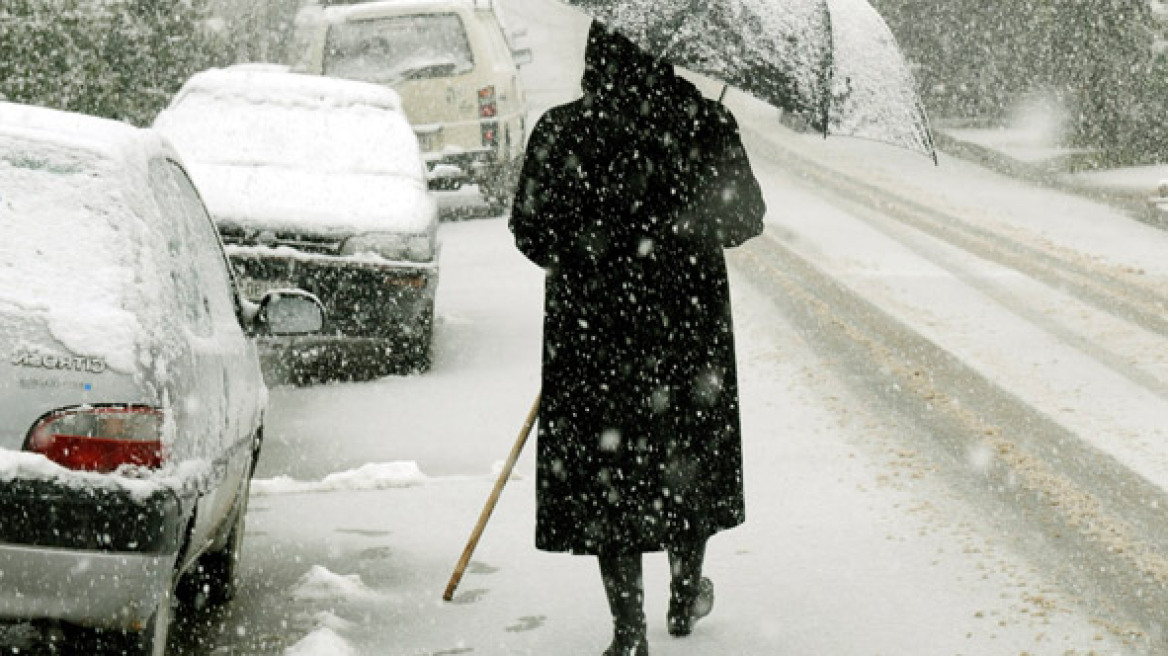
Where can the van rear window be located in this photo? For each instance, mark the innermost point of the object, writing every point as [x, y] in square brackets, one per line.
[399, 48]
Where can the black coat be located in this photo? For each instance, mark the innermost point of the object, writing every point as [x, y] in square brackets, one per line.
[627, 198]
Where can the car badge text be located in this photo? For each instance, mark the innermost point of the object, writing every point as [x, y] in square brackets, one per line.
[37, 360]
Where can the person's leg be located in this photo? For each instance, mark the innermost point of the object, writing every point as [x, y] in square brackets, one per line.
[691, 597]
[621, 574]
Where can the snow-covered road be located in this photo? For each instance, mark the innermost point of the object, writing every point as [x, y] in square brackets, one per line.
[854, 544]
[953, 387]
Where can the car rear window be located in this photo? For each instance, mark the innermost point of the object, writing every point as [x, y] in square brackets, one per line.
[390, 50]
[58, 210]
[73, 252]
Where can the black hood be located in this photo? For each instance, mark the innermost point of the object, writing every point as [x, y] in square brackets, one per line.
[619, 74]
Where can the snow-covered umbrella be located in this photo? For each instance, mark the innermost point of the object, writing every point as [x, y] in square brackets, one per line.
[833, 62]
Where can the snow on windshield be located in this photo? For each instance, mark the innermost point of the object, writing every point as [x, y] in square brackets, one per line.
[390, 50]
[70, 250]
[326, 135]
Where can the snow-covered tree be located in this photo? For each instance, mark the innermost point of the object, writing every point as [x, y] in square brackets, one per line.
[976, 58]
[120, 59]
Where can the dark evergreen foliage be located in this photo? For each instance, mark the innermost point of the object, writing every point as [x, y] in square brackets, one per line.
[121, 59]
[976, 58]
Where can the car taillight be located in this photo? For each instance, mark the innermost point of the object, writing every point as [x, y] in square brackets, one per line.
[488, 108]
[100, 438]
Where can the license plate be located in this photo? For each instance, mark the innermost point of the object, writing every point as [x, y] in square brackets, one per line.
[254, 290]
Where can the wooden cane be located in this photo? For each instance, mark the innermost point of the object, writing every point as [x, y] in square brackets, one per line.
[491, 501]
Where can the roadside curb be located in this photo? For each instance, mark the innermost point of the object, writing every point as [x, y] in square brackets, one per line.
[1049, 176]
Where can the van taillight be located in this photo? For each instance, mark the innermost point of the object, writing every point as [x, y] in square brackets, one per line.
[490, 133]
[488, 108]
[99, 438]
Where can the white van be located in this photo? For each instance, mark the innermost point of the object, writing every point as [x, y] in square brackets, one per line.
[455, 66]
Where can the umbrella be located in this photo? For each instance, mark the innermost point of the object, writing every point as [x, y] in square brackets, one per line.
[834, 62]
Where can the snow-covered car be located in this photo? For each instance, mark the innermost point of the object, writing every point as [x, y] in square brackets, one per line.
[131, 397]
[455, 64]
[318, 183]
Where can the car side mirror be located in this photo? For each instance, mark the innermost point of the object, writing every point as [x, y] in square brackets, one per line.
[290, 312]
[522, 56]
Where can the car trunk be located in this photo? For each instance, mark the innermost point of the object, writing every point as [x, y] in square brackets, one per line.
[38, 375]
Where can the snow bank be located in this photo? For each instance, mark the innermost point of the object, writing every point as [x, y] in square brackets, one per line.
[372, 476]
[319, 584]
[321, 642]
[21, 465]
[328, 620]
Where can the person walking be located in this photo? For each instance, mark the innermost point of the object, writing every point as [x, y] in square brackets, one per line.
[627, 198]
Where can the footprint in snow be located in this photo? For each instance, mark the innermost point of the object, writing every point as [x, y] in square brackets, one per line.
[470, 596]
[375, 553]
[362, 532]
[529, 623]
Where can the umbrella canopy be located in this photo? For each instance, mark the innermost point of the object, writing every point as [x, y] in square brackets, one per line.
[835, 62]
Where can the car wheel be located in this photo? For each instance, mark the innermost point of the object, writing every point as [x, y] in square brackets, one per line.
[213, 580]
[421, 342]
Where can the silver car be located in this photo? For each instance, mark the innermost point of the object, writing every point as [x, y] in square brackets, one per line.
[131, 400]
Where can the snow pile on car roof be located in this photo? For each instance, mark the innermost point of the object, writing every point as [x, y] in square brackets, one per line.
[283, 151]
[114, 139]
[274, 85]
[265, 130]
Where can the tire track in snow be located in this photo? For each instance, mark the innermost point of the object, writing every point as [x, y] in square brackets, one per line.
[1110, 288]
[1090, 521]
[946, 255]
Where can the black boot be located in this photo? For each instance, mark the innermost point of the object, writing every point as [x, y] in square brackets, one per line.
[691, 596]
[622, 585]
